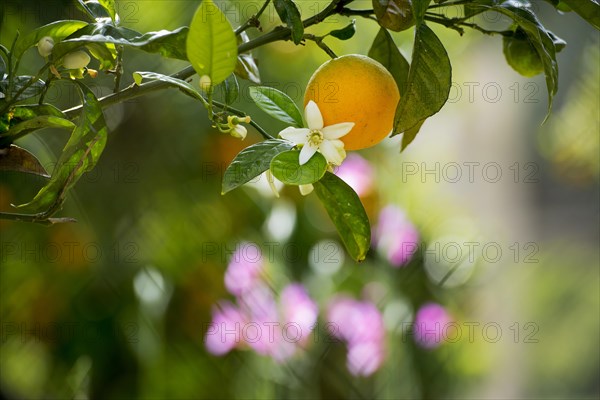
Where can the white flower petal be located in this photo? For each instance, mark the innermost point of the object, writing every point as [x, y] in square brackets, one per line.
[295, 135]
[306, 189]
[336, 131]
[333, 151]
[306, 153]
[313, 116]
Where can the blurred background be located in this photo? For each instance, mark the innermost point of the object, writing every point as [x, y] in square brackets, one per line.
[483, 280]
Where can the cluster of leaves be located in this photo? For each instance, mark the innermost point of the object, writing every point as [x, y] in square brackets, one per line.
[220, 55]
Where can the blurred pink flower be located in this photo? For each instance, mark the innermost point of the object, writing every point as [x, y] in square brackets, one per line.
[244, 269]
[299, 310]
[360, 325]
[364, 358]
[260, 308]
[395, 236]
[223, 333]
[357, 173]
[430, 326]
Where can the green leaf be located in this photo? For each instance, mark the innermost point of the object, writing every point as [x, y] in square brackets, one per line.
[286, 167]
[211, 43]
[429, 81]
[166, 43]
[540, 39]
[346, 32]
[587, 9]
[57, 30]
[411, 134]
[15, 158]
[80, 155]
[387, 53]
[186, 87]
[277, 104]
[347, 213]
[20, 81]
[290, 15]
[419, 9]
[251, 162]
[246, 67]
[231, 89]
[109, 6]
[34, 124]
[395, 15]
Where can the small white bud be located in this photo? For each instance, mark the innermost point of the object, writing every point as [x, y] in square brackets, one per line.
[76, 60]
[205, 83]
[239, 132]
[45, 46]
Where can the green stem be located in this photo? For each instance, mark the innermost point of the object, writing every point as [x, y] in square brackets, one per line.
[118, 69]
[278, 33]
[319, 42]
[253, 21]
[458, 23]
[36, 218]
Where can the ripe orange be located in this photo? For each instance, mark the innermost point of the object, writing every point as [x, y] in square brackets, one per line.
[355, 88]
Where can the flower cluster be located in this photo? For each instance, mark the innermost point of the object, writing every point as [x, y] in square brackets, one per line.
[272, 327]
[360, 325]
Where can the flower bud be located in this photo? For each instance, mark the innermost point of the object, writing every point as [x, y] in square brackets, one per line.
[205, 83]
[45, 46]
[239, 132]
[76, 60]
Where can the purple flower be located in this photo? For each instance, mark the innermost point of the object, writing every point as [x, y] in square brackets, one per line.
[357, 173]
[298, 310]
[360, 325]
[396, 237]
[224, 333]
[431, 324]
[244, 269]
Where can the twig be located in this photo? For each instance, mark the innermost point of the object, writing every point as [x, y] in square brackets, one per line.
[253, 21]
[319, 42]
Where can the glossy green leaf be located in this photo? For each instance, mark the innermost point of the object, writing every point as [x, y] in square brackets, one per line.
[290, 15]
[246, 67]
[429, 81]
[347, 213]
[15, 158]
[286, 167]
[540, 39]
[410, 135]
[231, 89]
[80, 154]
[36, 123]
[56, 30]
[395, 15]
[186, 87]
[419, 9]
[587, 9]
[109, 6]
[277, 104]
[166, 43]
[346, 32]
[20, 81]
[387, 53]
[211, 43]
[251, 162]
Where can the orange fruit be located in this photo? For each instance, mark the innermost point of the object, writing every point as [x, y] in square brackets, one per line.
[355, 88]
